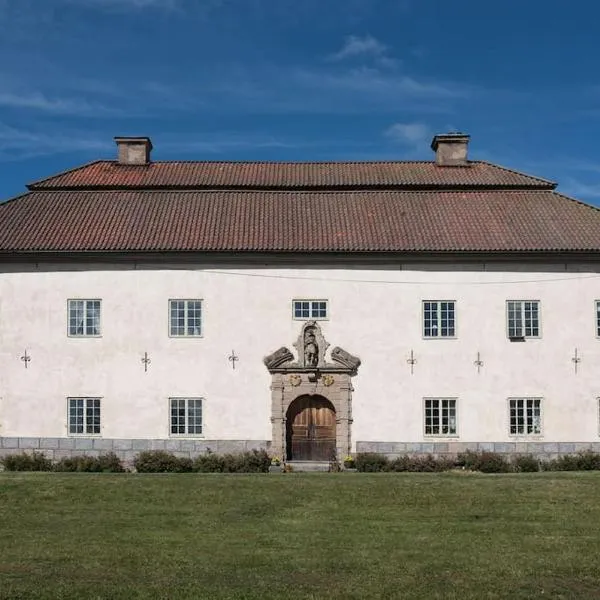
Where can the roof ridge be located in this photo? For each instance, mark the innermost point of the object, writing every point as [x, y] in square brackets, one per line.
[297, 192]
[33, 184]
[520, 173]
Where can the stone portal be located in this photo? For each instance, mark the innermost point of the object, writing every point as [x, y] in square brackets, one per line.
[317, 385]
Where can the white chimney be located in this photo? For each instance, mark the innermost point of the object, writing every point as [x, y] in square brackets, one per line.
[133, 150]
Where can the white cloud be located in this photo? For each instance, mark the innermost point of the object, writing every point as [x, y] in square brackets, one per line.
[359, 46]
[19, 144]
[128, 4]
[579, 189]
[42, 102]
[408, 133]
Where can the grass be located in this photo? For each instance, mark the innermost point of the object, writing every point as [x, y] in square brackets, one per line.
[310, 536]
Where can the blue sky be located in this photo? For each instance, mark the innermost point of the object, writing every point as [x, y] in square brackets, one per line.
[301, 80]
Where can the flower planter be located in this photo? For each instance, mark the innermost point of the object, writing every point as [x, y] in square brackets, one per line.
[275, 468]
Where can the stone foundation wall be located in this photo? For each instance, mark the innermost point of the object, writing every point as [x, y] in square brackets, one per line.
[125, 449]
[541, 450]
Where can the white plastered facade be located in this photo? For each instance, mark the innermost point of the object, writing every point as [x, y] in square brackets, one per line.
[374, 313]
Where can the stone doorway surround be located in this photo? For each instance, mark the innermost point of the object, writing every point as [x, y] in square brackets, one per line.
[311, 374]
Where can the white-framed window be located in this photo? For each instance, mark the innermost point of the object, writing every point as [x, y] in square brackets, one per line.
[185, 416]
[525, 416]
[185, 318]
[83, 416]
[310, 309]
[597, 318]
[440, 416]
[523, 318]
[84, 318]
[438, 319]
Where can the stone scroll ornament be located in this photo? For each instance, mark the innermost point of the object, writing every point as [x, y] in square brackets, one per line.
[278, 358]
[345, 359]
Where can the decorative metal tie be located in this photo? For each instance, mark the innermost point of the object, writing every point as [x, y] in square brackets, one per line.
[233, 359]
[576, 360]
[25, 358]
[411, 361]
[146, 361]
[478, 362]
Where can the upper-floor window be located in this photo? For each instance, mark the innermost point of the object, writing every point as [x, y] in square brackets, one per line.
[84, 317]
[525, 416]
[438, 318]
[310, 309]
[84, 416]
[597, 318]
[523, 318]
[440, 416]
[185, 318]
[186, 416]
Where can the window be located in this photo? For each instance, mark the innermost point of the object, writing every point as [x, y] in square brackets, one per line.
[84, 318]
[186, 416]
[438, 318]
[597, 318]
[84, 416]
[523, 318]
[185, 318]
[310, 309]
[525, 416]
[440, 416]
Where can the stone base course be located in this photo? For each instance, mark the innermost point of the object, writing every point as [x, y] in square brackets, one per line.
[125, 449]
[541, 450]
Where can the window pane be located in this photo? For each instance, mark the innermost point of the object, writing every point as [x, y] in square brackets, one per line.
[194, 416]
[309, 309]
[76, 317]
[525, 416]
[440, 416]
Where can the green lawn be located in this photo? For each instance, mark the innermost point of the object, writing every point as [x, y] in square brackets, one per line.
[300, 536]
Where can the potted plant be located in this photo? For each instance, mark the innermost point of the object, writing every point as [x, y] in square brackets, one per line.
[349, 463]
[275, 466]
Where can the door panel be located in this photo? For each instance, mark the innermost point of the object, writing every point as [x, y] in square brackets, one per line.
[312, 429]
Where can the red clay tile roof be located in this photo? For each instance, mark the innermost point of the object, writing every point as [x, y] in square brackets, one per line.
[301, 221]
[297, 175]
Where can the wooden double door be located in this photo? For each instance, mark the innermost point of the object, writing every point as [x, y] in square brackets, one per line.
[310, 431]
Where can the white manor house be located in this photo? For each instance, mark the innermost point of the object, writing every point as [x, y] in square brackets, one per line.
[313, 309]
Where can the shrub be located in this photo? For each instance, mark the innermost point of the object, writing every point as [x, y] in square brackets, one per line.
[36, 461]
[159, 461]
[421, 464]
[371, 462]
[486, 462]
[256, 461]
[208, 463]
[583, 461]
[105, 463]
[468, 460]
[525, 463]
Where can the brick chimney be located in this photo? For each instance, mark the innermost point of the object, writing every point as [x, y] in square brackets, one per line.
[133, 150]
[450, 149]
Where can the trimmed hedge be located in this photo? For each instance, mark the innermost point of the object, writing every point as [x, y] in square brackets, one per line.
[105, 463]
[484, 462]
[158, 461]
[37, 461]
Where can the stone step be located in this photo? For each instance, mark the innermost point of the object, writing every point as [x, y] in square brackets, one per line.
[304, 466]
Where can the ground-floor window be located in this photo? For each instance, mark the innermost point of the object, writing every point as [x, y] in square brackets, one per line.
[84, 416]
[440, 416]
[186, 416]
[525, 416]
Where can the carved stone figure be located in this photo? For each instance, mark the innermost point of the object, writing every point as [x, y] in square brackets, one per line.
[278, 358]
[311, 348]
[345, 359]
